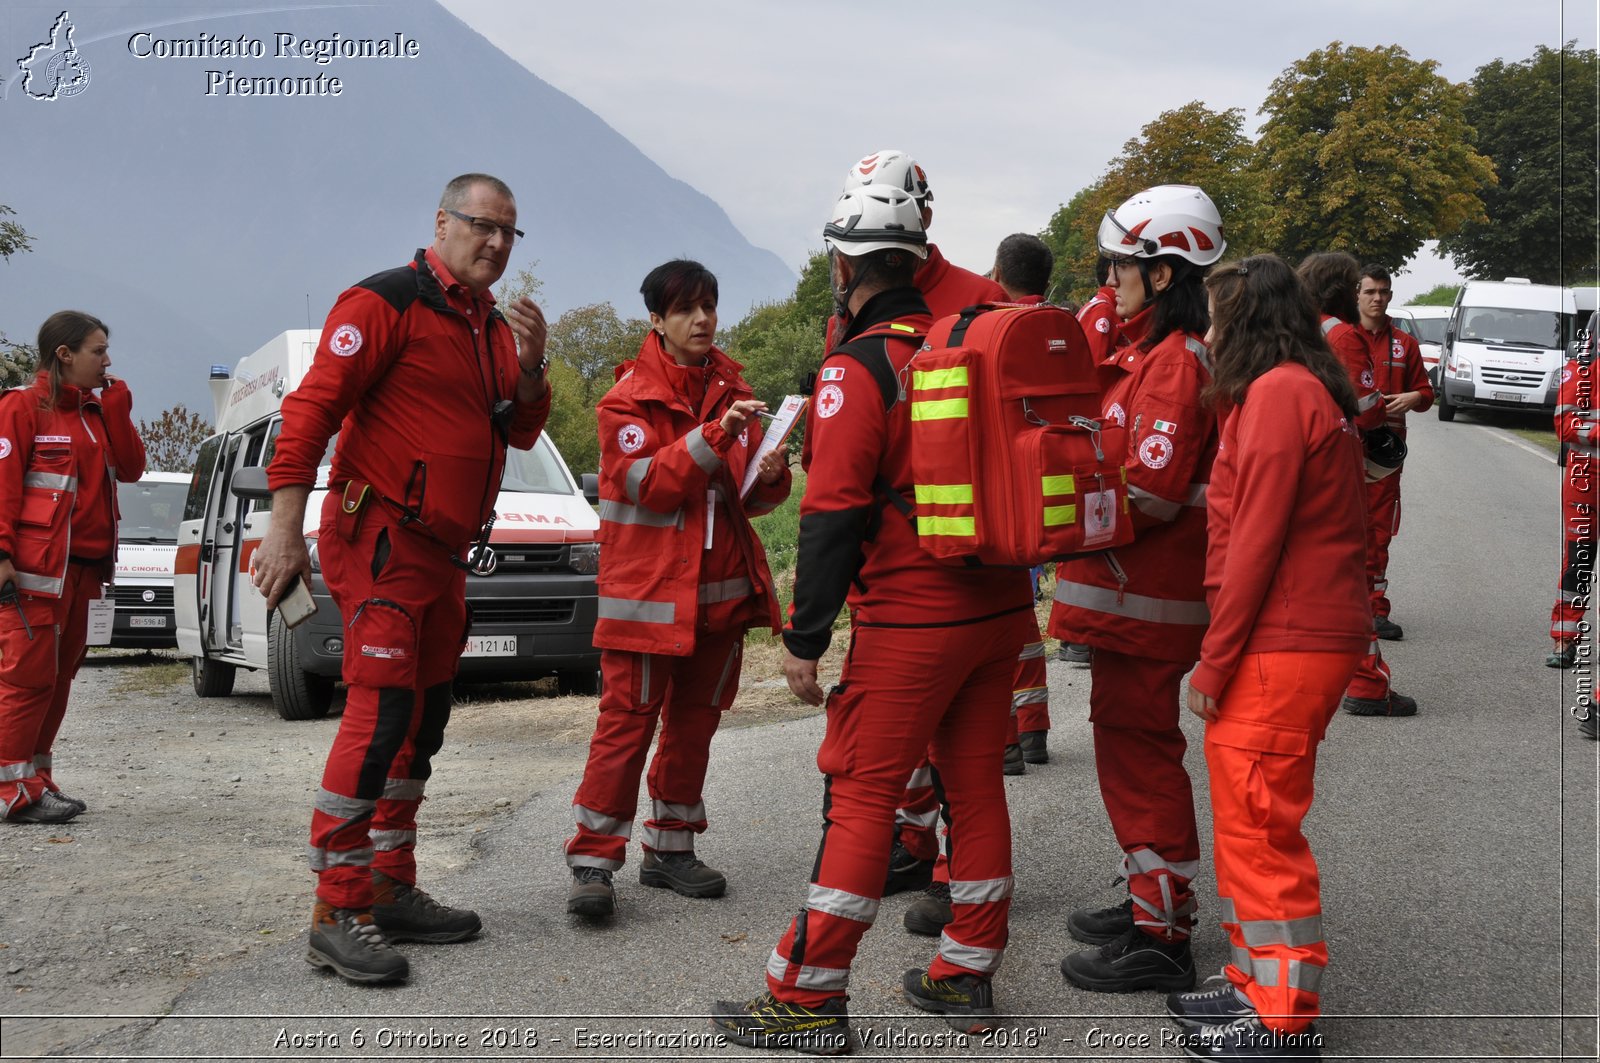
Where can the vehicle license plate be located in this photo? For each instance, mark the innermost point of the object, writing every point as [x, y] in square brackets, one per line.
[1509, 396]
[147, 621]
[491, 646]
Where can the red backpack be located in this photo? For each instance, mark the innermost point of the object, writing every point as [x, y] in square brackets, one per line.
[1011, 464]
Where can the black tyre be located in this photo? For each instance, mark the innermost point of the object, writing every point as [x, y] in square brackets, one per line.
[1446, 408]
[212, 679]
[296, 693]
[582, 682]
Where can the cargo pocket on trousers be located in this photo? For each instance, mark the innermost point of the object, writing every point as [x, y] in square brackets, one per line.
[381, 646]
[837, 753]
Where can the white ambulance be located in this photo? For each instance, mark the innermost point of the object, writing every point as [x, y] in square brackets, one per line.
[147, 541]
[533, 616]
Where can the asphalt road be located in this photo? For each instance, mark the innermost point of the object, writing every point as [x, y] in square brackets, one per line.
[1457, 849]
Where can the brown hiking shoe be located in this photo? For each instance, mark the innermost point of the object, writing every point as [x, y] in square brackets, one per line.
[350, 943]
[592, 895]
[406, 913]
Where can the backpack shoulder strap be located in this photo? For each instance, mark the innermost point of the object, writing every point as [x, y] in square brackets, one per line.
[875, 356]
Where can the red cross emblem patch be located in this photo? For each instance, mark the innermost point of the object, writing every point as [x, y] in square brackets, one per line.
[830, 400]
[1155, 451]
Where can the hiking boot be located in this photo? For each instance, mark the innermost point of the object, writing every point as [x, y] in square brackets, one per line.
[1388, 630]
[1074, 653]
[1097, 926]
[351, 943]
[1394, 705]
[1217, 1006]
[1249, 1039]
[1135, 960]
[906, 872]
[592, 895]
[1588, 726]
[1013, 764]
[1034, 750]
[929, 913]
[767, 1022]
[1565, 655]
[83, 806]
[46, 808]
[966, 1001]
[682, 873]
[405, 912]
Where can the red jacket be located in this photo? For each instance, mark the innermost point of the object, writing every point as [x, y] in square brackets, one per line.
[1397, 367]
[74, 453]
[946, 288]
[854, 547]
[1100, 323]
[1576, 406]
[1347, 344]
[1286, 565]
[1147, 598]
[665, 465]
[407, 371]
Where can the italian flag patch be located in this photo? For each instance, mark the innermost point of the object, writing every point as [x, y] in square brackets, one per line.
[832, 373]
[1164, 426]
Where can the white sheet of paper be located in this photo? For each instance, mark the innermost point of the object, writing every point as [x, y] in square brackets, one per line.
[774, 432]
[101, 613]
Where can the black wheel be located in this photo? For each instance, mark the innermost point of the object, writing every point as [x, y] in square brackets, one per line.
[212, 679]
[1447, 409]
[296, 693]
[583, 682]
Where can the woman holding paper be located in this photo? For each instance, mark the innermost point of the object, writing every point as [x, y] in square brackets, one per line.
[682, 576]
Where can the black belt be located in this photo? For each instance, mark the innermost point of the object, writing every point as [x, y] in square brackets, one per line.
[87, 562]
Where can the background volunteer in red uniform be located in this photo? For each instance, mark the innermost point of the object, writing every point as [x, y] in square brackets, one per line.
[1285, 576]
[906, 687]
[947, 289]
[1331, 280]
[1575, 429]
[682, 576]
[62, 449]
[1142, 607]
[419, 373]
[1402, 379]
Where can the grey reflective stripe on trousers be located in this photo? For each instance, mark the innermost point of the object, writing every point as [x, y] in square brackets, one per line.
[403, 789]
[701, 451]
[50, 481]
[580, 860]
[695, 813]
[635, 478]
[823, 979]
[729, 668]
[1295, 933]
[1263, 970]
[842, 904]
[324, 859]
[1148, 861]
[983, 961]
[1031, 652]
[601, 823]
[985, 891]
[41, 761]
[341, 807]
[1032, 696]
[637, 612]
[9, 772]
[1134, 606]
[389, 840]
[667, 841]
[623, 513]
[728, 590]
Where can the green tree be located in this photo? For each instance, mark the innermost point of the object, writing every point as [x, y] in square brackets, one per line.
[1438, 295]
[16, 359]
[1536, 120]
[13, 238]
[172, 441]
[780, 343]
[586, 345]
[1369, 151]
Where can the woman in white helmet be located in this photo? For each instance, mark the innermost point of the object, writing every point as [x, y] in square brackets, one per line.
[1142, 607]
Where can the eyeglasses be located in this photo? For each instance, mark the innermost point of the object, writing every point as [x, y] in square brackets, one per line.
[483, 227]
[1123, 261]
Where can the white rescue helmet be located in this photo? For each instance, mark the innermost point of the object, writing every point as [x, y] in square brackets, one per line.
[875, 217]
[1385, 452]
[1165, 220]
[893, 168]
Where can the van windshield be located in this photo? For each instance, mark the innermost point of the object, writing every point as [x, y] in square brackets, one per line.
[536, 470]
[1430, 329]
[1521, 328]
[150, 511]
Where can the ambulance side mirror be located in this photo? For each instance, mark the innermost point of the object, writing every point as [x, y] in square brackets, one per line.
[251, 483]
[591, 488]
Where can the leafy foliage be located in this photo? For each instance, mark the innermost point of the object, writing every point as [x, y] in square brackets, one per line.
[172, 441]
[1438, 295]
[1536, 120]
[586, 345]
[13, 238]
[1369, 151]
[17, 363]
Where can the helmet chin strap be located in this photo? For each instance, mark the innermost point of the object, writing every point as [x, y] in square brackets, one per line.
[841, 300]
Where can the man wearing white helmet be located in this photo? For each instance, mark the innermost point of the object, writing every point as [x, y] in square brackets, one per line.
[947, 289]
[907, 688]
[1143, 607]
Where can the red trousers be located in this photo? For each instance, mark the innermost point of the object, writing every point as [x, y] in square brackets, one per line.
[1138, 756]
[688, 695]
[1383, 524]
[35, 680]
[1030, 691]
[1261, 754]
[1580, 498]
[904, 693]
[405, 614]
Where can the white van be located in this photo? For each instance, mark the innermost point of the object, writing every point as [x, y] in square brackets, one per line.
[1426, 324]
[1505, 345]
[534, 616]
[147, 542]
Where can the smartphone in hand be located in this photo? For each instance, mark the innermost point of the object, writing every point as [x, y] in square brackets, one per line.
[296, 606]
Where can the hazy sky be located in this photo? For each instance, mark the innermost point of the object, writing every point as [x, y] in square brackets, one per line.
[1010, 108]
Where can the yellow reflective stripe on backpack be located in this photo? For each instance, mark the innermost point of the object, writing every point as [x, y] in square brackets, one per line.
[939, 410]
[1057, 515]
[934, 379]
[1059, 485]
[944, 494]
[946, 525]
